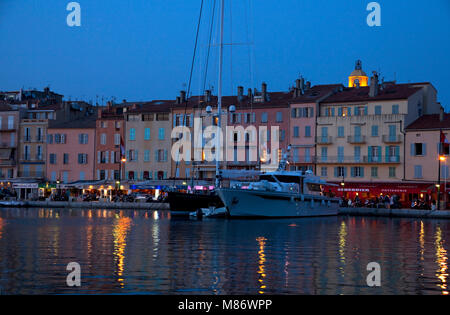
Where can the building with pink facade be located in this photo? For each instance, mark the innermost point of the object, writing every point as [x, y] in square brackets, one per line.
[304, 107]
[423, 151]
[71, 150]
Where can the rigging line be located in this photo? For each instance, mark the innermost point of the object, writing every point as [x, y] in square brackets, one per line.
[231, 47]
[209, 45]
[190, 77]
[250, 68]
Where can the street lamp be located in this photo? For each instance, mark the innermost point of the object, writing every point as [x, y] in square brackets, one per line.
[442, 158]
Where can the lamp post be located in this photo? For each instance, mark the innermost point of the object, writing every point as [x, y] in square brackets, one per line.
[441, 159]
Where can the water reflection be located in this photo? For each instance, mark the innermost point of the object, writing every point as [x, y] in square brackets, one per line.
[149, 252]
[261, 263]
[122, 226]
[441, 259]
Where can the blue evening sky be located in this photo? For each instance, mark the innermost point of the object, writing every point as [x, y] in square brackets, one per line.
[142, 49]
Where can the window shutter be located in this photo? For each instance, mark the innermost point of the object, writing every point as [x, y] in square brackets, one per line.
[387, 154]
[413, 149]
[380, 154]
[156, 156]
[191, 121]
[99, 157]
[352, 172]
[336, 172]
[397, 154]
[165, 155]
[362, 171]
[98, 174]
[136, 155]
[370, 154]
[106, 174]
[424, 149]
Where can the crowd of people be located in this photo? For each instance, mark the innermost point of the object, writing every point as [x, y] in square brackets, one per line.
[386, 201]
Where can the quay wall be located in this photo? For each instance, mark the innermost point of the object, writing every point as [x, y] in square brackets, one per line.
[404, 213]
[99, 205]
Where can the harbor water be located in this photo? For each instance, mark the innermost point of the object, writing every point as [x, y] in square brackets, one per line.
[148, 252]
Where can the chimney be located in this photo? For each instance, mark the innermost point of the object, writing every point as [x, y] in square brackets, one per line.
[264, 91]
[308, 85]
[240, 93]
[374, 85]
[182, 96]
[178, 102]
[441, 114]
[207, 96]
[250, 94]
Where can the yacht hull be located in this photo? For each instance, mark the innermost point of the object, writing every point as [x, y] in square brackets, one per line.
[254, 203]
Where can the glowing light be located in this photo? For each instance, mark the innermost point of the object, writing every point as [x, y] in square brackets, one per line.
[441, 259]
[442, 158]
[262, 259]
[121, 229]
[342, 244]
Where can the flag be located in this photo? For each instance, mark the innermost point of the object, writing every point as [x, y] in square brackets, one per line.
[122, 148]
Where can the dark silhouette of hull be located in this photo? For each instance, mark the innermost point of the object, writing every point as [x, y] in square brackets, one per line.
[183, 203]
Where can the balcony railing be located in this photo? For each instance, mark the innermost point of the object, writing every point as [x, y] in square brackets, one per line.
[356, 139]
[36, 158]
[357, 160]
[38, 139]
[30, 174]
[392, 139]
[324, 140]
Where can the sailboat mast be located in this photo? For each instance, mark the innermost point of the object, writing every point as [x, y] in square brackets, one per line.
[219, 99]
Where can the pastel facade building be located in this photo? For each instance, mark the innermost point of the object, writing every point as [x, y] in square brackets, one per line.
[71, 151]
[110, 133]
[10, 116]
[303, 115]
[147, 140]
[361, 137]
[423, 149]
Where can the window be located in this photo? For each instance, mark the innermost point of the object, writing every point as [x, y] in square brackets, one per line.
[307, 155]
[307, 131]
[341, 132]
[52, 158]
[103, 139]
[66, 158]
[133, 117]
[147, 134]
[296, 132]
[324, 172]
[395, 109]
[132, 134]
[418, 149]
[84, 138]
[445, 172]
[374, 171]
[374, 154]
[378, 110]
[418, 171]
[26, 153]
[146, 117]
[279, 117]
[264, 117]
[118, 124]
[282, 134]
[329, 112]
[375, 131]
[82, 176]
[324, 151]
[10, 122]
[340, 171]
[161, 132]
[104, 124]
[340, 154]
[49, 139]
[357, 154]
[82, 158]
[162, 117]
[392, 172]
[146, 155]
[357, 171]
[117, 139]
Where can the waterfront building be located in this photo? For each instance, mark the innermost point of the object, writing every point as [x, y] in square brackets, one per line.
[147, 141]
[110, 133]
[71, 150]
[10, 116]
[303, 115]
[243, 117]
[426, 156]
[361, 133]
[33, 133]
